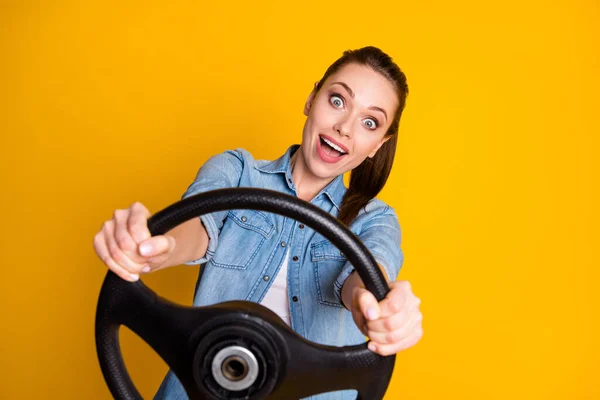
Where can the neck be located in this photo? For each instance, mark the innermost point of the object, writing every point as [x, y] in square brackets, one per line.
[307, 184]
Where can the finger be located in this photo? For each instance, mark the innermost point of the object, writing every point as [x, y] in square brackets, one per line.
[399, 294]
[104, 254]
[137, 223]
[124, 239]
[117, 255]
[362, 326]
[366, 302]
[360, 321]
[389, 324]
[382, 337]
[157, 245]
[397, 320]
[395, 336]
[407, 342]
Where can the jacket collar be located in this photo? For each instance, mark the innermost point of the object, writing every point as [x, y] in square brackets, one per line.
[335, 190]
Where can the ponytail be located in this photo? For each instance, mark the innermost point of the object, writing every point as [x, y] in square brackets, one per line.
[367, 180]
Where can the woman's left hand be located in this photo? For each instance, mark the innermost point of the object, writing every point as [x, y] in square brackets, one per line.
[394, 324]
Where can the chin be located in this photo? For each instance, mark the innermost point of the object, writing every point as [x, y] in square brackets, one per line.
[318, 169]
[325, 171]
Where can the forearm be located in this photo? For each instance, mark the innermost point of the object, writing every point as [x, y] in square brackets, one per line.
[191, 242]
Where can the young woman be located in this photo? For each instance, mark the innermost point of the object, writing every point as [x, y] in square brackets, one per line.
[353, 114]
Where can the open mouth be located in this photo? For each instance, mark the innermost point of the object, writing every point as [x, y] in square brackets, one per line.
[330, 148]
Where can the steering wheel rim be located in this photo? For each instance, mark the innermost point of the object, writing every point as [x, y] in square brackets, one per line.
[116, 295]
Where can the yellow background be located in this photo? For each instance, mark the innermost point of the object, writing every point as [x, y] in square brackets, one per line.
[495, 182]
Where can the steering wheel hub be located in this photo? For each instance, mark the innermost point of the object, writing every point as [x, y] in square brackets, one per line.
[236, 357]
[235, 368]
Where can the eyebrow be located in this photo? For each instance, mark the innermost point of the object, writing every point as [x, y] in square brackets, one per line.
[352, 95]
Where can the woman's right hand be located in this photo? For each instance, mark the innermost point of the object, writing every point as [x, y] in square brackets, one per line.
[124, 243]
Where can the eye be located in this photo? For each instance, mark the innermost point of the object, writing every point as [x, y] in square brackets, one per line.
[336, 100]
[371, 123]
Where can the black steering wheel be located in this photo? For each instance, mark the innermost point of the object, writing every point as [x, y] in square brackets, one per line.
[239, 349]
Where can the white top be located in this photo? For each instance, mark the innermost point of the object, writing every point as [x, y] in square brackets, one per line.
[276, 298]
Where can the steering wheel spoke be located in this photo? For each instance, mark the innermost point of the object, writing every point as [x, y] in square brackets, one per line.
[317, 368]
[165, 326]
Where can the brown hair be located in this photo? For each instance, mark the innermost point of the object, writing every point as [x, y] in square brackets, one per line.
[368, 178]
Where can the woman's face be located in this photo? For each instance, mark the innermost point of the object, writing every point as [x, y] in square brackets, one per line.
[351, 112]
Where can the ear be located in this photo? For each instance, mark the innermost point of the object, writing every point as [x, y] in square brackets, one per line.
[310, 99]
[385, 139]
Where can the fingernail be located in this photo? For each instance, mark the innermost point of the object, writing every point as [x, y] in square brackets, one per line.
[146, 269]
[371, 313]
[145, 249]
[134, 277]
[372, 347]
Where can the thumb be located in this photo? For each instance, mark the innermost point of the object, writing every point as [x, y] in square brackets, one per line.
[367, 304]
[156, 246]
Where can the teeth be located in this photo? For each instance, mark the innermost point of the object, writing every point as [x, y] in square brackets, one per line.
[338, 148]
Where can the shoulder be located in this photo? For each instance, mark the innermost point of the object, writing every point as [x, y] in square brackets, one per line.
[239, 154]
[376, 213]
[234, 160]
[376, 207]
[245, 157]
[269, 165]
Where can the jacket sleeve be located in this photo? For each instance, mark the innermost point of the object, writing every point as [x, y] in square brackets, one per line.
[381, 234]
[220, 171]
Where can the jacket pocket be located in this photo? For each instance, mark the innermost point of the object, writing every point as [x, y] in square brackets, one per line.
[241, 238]
[328, 262]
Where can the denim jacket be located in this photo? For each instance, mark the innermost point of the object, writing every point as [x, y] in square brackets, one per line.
[246, 249]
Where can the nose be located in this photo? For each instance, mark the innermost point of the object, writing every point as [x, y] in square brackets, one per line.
[342, 127]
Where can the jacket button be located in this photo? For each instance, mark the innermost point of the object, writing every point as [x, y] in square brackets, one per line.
[244, 219]
[283, 244]
[295, 258]
[266, 278]
[295, 299]
[301, 226]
